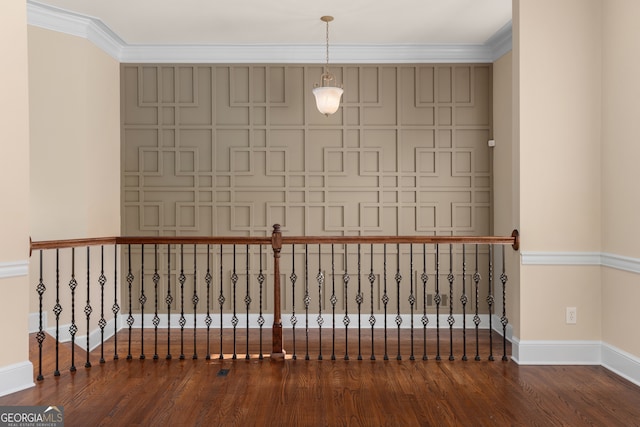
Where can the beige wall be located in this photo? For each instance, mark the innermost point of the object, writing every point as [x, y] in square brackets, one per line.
[505, 188]
[75, 155]
[559, 90]
[14, 181]
[620, 154]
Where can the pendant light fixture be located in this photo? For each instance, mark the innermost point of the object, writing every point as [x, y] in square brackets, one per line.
[327, 93]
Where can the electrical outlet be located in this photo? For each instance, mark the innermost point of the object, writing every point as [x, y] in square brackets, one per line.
[572, 315]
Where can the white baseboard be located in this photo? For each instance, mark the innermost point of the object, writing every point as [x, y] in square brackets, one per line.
[622, 363]
[16, 377]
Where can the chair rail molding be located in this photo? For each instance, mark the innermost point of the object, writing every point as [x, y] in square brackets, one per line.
[603, 259]
[14, 269]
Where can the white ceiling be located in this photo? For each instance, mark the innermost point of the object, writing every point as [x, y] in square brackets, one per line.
[292, 23]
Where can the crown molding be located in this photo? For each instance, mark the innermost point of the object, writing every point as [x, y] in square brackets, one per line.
[94, 30]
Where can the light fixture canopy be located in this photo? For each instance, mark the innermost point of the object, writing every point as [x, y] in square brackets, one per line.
[327, 92]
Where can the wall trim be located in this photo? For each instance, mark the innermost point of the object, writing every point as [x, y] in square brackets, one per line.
[93, 29]
[577, 353]
[16, 377]
[603, 259]
[14, 269]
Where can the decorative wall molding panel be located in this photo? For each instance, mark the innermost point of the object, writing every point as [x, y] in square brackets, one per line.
[14, 269]
[233, 149]
[97, 32]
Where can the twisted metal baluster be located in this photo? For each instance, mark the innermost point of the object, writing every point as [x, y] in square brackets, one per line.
[437, 299]
[293, 278]
[182, 321]
[412, 298]
[359, 300]
[425, 320]
[490, 301]
[168, 300]
[195, 299]
[234, 319]
[221, 300]
[87, 308]
[503, 319]
[450, 319]
[73, 284]
[346, 320]
[307, 298]
[115, 308]
[476, 317]
[247, 301]
[156, 319]
[57, 309]
[463, 300]
[385, 300]
[320, 280]
[207, 319]
[40, 336]
[142, 300]
[261, 320]
[333, 300]
[398, 278]
[372, 318]
[130, 279]
[102, 280]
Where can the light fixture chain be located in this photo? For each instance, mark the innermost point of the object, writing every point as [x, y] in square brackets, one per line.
[327, 39]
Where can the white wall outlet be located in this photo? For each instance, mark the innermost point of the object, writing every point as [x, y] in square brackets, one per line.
[572, 315]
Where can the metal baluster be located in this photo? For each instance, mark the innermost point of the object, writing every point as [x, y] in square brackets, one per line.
[385, 300]
[476, 317]
[450, 319]
[346, 320]
[437, 298]
[142, 300]
[40, 336]
[334, 300]
[156, 319]
[182, 279]
[207, 319]
[115, 308]
[234, 319]
[195, 300]
[412, 298]
[221, 300]
[102, 280]
[320, 280]
[425, 320]
[73, 284]
[307, 298]
[247, 301]
[359, 300]
[490, 300]
[261, 320]
[372, 318]
[87, 308]
[57, 309]
[130, 279]
[503, 319]
[168, 300]
[463, 300]
[398, 278]
[293, 278]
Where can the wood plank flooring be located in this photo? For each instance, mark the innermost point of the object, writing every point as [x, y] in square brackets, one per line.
[324, 393]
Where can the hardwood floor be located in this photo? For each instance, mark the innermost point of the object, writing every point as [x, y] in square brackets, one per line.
[325, 393]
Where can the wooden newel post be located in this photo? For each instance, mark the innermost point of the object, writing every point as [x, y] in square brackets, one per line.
[277, 351]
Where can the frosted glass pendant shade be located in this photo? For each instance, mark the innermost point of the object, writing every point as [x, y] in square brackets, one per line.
[328, 99]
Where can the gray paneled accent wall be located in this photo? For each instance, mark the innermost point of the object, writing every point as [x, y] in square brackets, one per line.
[233, 149]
